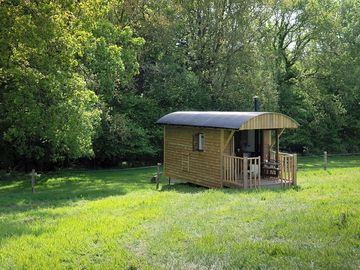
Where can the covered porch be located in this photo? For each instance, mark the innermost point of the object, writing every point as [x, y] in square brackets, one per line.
[244, 172]
[251, 159]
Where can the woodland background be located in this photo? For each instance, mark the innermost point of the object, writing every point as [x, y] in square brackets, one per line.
[82, 82]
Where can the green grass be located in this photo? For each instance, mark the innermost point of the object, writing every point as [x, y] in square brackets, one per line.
[116, 219]
[333, 162]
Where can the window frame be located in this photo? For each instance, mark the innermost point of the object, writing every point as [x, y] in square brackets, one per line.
[199, 142]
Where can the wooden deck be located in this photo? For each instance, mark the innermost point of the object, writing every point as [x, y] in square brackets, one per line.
[234, 174]
[268, 182]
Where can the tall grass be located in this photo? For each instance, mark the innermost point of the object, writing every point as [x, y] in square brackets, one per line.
[116, 219]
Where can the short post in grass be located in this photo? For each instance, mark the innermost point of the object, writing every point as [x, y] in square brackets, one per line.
[33, 174]
[158, 175]
[325, 160]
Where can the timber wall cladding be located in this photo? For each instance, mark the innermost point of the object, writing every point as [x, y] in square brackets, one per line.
[182, 163]
[229, 149]
[269, 121]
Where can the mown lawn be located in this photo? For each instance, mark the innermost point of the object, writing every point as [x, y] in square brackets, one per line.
[116, 219]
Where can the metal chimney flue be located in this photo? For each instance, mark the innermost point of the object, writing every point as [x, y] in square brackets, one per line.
[256, 103]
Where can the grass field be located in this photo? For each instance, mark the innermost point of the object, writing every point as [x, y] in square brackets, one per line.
[116, 219]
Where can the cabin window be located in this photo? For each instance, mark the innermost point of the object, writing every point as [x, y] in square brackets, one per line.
[198, 142]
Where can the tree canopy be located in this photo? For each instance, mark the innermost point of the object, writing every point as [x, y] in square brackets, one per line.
[88, 79]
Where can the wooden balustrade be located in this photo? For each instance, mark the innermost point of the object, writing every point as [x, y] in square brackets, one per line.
[245, 172]
[254, 172]
[288, 167]
[232, 169]
[235, 174]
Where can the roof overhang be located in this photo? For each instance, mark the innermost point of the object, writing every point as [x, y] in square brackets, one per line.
[229, 120]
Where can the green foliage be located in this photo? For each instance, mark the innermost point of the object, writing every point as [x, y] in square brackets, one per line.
[110, 59]
[294, 55]
[48, 110]
[312, 75]
[121, 138]
[58, 61]
[92, 77]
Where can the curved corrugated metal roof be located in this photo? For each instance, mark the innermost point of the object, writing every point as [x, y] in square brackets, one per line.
[229, 120]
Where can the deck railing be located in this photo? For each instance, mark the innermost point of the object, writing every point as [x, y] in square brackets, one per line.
[242, 171]
[246, 171]
[233, 169]
[287, 167]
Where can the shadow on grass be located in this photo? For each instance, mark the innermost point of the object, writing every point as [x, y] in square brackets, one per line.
[23, 226]
[192, 189]
[184, 188]
[274, 189]
[61, 189]
[64, 188]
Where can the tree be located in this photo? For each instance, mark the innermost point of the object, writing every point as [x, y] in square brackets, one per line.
[59, 61]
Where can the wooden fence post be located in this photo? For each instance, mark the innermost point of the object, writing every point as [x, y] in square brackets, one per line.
[295, 170]
[325, 160]
[245, 166]
[33, 180]
[158, 175]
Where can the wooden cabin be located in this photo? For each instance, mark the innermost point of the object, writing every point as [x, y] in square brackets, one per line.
[231, 149]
